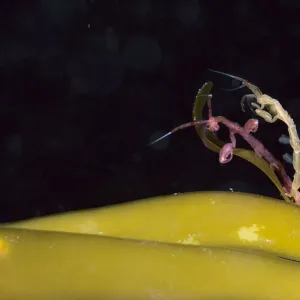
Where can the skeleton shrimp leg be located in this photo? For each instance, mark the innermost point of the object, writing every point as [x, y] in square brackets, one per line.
[276, 112]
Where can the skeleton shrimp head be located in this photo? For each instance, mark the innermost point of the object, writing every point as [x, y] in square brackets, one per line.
[264, 105]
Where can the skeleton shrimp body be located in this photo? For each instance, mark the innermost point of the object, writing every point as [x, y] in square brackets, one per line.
[281, 114]
[274, 112]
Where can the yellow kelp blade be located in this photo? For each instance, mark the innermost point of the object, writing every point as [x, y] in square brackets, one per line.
[205, 218]
[214, 144]
[44, 265]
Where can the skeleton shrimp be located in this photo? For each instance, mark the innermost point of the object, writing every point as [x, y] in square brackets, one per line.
[275, 112]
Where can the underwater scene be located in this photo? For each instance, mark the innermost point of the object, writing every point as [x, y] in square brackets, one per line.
[149, 149]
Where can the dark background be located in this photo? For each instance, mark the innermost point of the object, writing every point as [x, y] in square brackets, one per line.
[85, 85]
